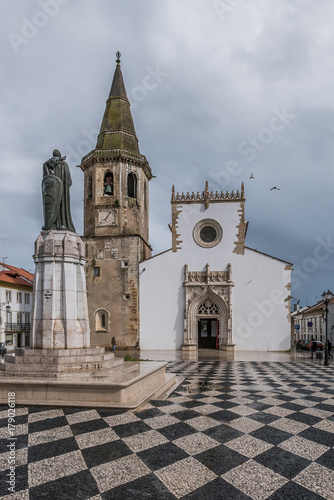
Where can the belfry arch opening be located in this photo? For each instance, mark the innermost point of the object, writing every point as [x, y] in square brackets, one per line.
[132, 185]
[108, 184]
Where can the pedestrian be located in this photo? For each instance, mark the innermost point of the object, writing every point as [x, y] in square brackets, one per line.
[113, 343]
[313, 347]
[329, 348]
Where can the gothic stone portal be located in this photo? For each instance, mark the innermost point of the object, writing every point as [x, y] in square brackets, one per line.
[208, 311]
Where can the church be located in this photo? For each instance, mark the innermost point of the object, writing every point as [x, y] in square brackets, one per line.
[208, 291]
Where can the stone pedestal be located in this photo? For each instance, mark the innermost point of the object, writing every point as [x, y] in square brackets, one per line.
[60, 312]
[62, 368]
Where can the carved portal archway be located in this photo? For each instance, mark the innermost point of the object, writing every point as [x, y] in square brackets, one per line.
[208, 295]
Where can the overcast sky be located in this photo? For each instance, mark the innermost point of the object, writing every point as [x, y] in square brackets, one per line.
[218, 90]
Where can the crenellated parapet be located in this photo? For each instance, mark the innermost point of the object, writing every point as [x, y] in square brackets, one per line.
[207, 196]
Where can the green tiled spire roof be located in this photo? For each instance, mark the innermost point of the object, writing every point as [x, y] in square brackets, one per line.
[117, 129]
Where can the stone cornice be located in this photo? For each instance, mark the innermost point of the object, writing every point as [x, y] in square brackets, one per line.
[207, 196]
[107, 155]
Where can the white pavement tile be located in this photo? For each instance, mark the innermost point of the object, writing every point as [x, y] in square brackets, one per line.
[185, 476]
[255, 480]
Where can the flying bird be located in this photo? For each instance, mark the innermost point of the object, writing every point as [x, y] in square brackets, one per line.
[252, 176]
[278, 189]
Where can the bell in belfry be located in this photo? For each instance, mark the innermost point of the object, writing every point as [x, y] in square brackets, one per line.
[108, 187]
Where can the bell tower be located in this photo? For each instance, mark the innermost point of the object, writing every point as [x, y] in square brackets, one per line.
[116, 222]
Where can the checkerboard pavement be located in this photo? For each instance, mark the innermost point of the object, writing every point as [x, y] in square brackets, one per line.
[251, 430]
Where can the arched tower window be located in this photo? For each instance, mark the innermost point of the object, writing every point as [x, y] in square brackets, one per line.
[101, 320]
[90, 187]
[132, 185]
[145, 194]
[108, 184]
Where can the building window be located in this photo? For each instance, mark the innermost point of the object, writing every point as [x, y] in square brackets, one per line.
[27, 318]
[132, 185]
[26, 298]
[19, 318]
[90, 187]
[96, 271]
[108, 184]
[19, 297]
[101, 320]
[207, 233]
[8, 317]
[8, 296]
[9, 339]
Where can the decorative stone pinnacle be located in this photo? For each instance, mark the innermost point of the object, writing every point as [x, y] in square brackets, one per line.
[206, 195]
[173, 193]
[242, 190]
[118, 60]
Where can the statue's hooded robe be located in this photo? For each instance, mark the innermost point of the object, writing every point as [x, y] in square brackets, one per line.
[62, 171]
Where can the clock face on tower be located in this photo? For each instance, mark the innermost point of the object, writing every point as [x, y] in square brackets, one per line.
[106, 217]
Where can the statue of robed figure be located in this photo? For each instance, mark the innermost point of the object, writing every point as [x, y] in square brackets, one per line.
[56, 185]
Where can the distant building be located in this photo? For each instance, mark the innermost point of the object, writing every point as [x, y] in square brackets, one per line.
[16, 287]
[310, 322]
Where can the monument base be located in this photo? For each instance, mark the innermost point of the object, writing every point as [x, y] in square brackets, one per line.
[82, 377]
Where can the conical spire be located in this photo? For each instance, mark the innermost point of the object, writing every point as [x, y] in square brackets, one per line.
[117, 129]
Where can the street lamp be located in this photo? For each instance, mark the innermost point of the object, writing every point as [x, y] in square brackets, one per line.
[326, 297]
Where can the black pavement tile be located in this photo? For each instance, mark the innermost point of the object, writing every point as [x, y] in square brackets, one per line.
[257, 405]
[323, 406]
[224, 416]
[283, 397]
[293, 491]
[161, 456]
[147, 487]
[81, 485]
[176, 431]
[70, 410]
[193, 403]
[107, 452]
[51, 449]
[218, 489]
[327, 459]
[292, 406]
[318, 436]
[158, 402]
[88, 426]
[47, 424]
[149, 413]
[223, 433]
[283, 462]
[186, 414]
[20, 442]
[304, 418]
[109, 412]
[221, 459]
[38, 409]
[271, 435]
[18, 419]
[21, 480]
[264, 418]
[126, 430]
[225, 405]
[315, 399]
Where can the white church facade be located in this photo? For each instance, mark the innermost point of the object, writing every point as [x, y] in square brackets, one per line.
[210, 290]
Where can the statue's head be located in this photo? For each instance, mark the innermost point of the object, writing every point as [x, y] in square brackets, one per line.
[56, 153]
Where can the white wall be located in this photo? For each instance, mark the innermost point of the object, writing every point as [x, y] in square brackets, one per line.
[260, 315]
